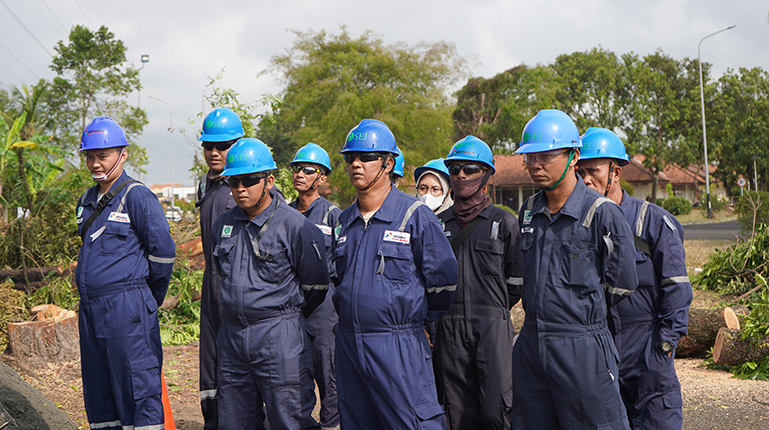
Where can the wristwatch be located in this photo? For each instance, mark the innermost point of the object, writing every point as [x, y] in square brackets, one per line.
[666, 346]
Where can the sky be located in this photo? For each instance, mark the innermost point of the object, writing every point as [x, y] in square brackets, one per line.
[192, 39]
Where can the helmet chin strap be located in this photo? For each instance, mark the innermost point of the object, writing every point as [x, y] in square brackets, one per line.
[378, 175]
[102, 178]
[566, 169]
[608, 184]
[312, 186]
[264, 191]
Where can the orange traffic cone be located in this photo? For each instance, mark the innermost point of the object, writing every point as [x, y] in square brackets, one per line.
[167, 414]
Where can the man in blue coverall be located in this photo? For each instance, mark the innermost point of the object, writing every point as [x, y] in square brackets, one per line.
[578, 260]
[123, 271]
[221, 129]
[273, 267]
[648, 325]
[310, 168]
[396, 273]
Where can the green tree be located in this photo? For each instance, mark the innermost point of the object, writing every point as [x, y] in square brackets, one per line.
[332, 81]
[496, 109]
[93, 79]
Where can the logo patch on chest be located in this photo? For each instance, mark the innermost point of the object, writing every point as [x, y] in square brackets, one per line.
[227, 231]
[118, 217]
[526, 217]
[396, 236]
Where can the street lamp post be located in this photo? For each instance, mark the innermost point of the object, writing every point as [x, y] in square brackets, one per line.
[145, 60]
[171, 130]
[704, 135]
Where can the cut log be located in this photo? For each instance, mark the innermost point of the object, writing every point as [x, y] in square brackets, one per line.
[36, 276]
[703, 328]
[191, 248]
[731, 319]
[52, 336]
[731, 349]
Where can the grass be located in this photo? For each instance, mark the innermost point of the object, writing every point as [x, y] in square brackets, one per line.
[698, 215]
[697, 252]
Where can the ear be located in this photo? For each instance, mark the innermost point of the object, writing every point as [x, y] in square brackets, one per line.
[617, 173]
[322, 179]
[270, 181]
[390, 164]
[575, 160]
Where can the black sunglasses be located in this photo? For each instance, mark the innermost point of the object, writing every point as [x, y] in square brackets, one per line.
[220, 146]
[469, 169]
[306, 170]
[364, 157]
[247, 181]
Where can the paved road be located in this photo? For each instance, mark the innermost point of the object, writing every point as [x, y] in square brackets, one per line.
[712, 231]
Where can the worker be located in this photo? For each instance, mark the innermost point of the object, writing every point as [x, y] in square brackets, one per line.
[122, 276]
[433, 187]
[647, 325]
[395, 273]
[221, 129]
[474, 340]
[397, 173]
[273, 267]
[310, 168]
[579, 260]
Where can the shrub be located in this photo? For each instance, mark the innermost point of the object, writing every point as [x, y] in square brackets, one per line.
[750, 204]
[627, 186]
[677, 205]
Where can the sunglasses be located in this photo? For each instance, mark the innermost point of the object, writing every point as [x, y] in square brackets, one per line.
[364, 157]
[306, 170]
[469, 169]
[543, 158]
[247, 181]
[220, 146]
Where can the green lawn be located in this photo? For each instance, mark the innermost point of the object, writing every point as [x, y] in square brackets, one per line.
[698, 215]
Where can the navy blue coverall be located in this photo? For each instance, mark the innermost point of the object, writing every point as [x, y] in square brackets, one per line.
[576, 263]
[657, 311]
[322, 321]
[474, 340]
[214, 197]
[265, 356]
[397, 273]
[123, 271]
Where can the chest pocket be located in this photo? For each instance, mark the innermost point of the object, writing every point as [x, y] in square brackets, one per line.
[224, 255]
[644, 269]
[394, 262]
[273, 268]
[114, 239]
[489, 254]
[578, 267]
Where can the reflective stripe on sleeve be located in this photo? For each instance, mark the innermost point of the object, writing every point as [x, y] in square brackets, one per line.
[440, 289]
[103, 425]
[162, 260]
[639, 225]
[675, 280]
[314, 287]
[515, 280]
[152, 427]
[208, 394]
[617, 291]
[408, 213]
[591, 212]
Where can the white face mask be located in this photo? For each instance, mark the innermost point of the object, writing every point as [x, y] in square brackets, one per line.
[431, 201]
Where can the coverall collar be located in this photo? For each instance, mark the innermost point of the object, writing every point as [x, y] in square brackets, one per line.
[387, 212]
[572, 207]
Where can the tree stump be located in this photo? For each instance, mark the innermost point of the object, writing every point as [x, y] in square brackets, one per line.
[731, 349]
[703, 328]
[51, 335]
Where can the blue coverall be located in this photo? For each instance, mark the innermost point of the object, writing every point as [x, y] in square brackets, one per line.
[576, 263]
[214, 197]
[397, 273]
[657, 311]
[265, 356]
[322, 321]
[123, 271]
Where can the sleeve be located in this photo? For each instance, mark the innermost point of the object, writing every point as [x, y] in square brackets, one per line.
[669, 260]
[154, 233]
[618, 250]
[435, 260]
[513, 262]
[308, 259]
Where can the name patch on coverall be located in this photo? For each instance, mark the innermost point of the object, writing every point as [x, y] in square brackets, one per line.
[396, 236]
[119, 217]
[325, 229]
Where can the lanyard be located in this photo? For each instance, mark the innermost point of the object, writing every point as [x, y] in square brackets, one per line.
[255, 240]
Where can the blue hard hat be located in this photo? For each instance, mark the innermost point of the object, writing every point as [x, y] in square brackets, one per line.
[437, 165]
[370, 135]
[246, 156]
[103, 132]
[221, 125]
[602, 143]
[471, 149]
[400, 160]
[549, 129]
[313, 153]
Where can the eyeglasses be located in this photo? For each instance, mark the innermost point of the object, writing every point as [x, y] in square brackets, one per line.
[306, 170]
[220, 146]
[543, 158]
[364, 157]
[247, 181]
[469, 169]
[434, 190]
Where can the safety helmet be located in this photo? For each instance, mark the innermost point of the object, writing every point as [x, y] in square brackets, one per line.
[221, 125]
[602, 143]
[549, 129]
[103, 132]
[437, 165]
[400, 160]
[370, 135]
[471, 149]
[246, 156]
[313, 153]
